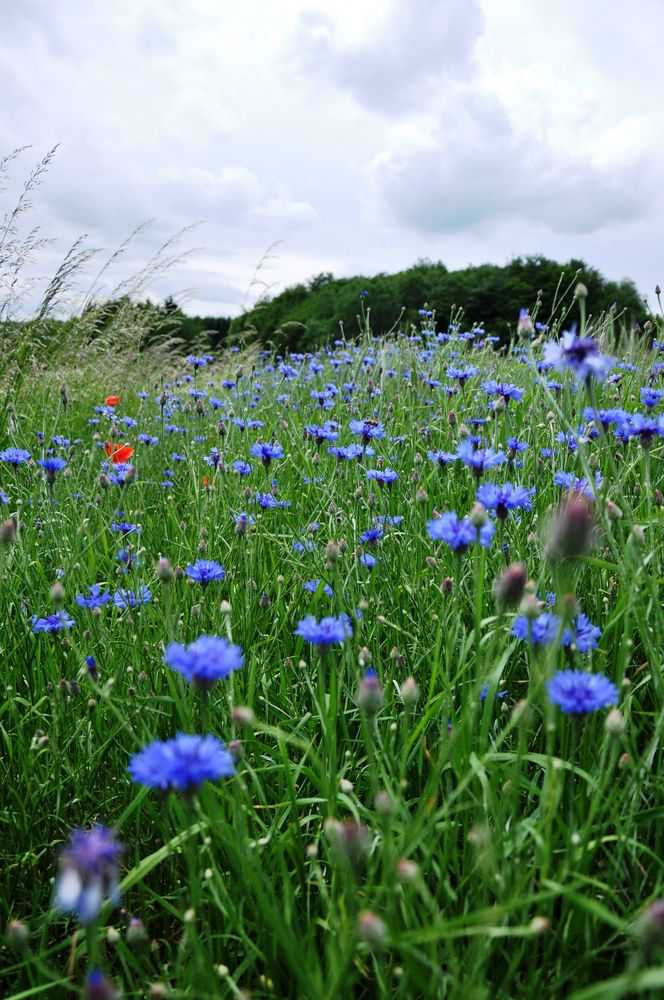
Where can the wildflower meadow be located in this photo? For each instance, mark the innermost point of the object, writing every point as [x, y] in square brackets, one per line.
[337, 674]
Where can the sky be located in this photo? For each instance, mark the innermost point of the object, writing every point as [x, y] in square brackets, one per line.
[284, 138]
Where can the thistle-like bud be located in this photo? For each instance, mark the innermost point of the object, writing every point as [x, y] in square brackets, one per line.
[371, 929]
[572, 529]
[509, 587]
[410, 692]
[370, 696]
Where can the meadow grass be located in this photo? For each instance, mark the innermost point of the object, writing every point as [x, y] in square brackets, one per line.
[441, 829]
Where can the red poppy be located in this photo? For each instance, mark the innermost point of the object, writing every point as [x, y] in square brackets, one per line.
[118, 453]
[112, 400]
[206, 482]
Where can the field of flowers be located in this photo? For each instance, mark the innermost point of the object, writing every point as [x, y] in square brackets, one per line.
[339, 674]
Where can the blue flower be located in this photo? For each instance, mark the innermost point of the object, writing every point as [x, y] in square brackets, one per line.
[181, 764]
[541, 631]
[485, 690]
[52, 623]
[504, 389]
[313, 585]
[126, 527]
[580, 354]
[504, 498]
[132, 598]
[242, 468]
[479, 459]
[386, 477]
[578, 693]
[458, 532]
[51, 466]
[96, 598]
[578, 485]
[14, 456]
[461, 375]
[326, 632]
[205, 660]
[651, 397]
[88, 873]
[266, 452]
[203, 571]
[441, 458]
[367, 560]
[367, 429]
[372, 536]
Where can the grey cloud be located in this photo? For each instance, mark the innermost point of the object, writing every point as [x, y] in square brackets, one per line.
[476, 170]
[405, 59]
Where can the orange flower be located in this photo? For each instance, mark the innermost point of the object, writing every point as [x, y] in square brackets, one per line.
[206, 482]
[112, 400]
[118, 453]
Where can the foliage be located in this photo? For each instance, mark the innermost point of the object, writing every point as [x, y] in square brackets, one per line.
[305, 316]
[433, 826]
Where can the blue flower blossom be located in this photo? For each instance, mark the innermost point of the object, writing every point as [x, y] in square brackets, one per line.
[326, 632]
[132, 598]
[581, 355]
[96, 597]
[579, 693]
[14, 456]
[181, 764]
[52, 623]
[88, 873]
[458, 532]
[503, 499]
[204, 661]
[203, 571]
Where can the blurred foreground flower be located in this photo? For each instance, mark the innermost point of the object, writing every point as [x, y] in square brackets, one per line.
[88, 873]
[204, 661]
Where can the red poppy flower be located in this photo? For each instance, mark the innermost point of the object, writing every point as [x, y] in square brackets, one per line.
[112, 400]
[118, 453]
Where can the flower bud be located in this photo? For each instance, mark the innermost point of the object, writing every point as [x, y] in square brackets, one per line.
[572, 530]
[136, 934]
[17, 934]
[349, 840]
[370, 696]
[649, 927]
[509, 587]
[371, 929]
[580, 292]
[164, 571]
[615, 724]
[410, 692]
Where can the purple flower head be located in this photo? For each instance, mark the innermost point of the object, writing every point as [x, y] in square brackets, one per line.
[181, 764]
[204, 661]
[579, 693]
[312, 586]
[458, 532]
[326, 632]
[88, 873]
[52, 623]
[581, 354]
[441, 458]
[203, 571]
[651, 397]
[51, 466]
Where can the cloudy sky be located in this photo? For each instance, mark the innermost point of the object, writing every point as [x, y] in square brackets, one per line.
[351, 137]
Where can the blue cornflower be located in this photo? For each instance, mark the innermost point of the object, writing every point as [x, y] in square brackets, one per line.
[181, 764]
[479, 459]
[441, 458]
[126, 527]
[205, 660]
[326, 632]
[579, 693]
[485, 690]
[642, 427]
[581, 354]
[504, 498]
[313, 585]
[14, 456]
[458, 532]
[198, 362]
[88, 873]
[367, 429]
[132, 598]
[372, 536]
[51, 466]
[541, 631]
[514, 446]
[52, 623]
[504, 389]
[96, 597]
[242, 468]
[577, 484]
[214, 458]
[203, 571]
[583, 634]
[329, 431]
[367, 560]
[266, 452]
[461, 375]
[386, 477]
[148, 439]
[350, 452]
[651, 397]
